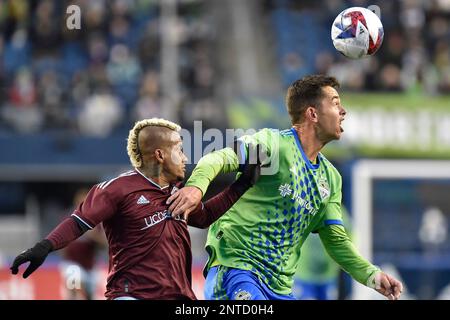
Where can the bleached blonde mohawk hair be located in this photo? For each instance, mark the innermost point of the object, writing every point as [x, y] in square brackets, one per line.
[132, 142]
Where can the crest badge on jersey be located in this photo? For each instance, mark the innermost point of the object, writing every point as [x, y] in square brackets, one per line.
[324, 188]
[242, 295]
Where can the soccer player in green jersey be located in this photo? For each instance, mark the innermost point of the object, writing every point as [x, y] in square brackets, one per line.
[254, 252]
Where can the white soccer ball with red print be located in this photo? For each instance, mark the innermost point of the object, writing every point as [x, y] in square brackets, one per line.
[357, 32]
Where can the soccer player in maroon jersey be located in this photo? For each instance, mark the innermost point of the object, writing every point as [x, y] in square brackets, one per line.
[149, 251]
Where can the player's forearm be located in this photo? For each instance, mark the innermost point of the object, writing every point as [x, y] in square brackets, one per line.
[341, 249]
[210, 165]
[64, 233]
[215, 207]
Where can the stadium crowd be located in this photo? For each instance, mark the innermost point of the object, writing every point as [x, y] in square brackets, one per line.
[107, 74]
[102, 76]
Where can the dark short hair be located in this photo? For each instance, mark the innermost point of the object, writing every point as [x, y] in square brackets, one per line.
[306, 92]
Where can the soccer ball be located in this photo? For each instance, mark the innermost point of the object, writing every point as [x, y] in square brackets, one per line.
[357, 32]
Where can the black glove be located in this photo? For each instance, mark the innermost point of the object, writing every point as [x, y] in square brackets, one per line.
[35, 255]
[252, 166]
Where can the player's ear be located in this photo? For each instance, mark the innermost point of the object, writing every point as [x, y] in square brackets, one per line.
[159, 155]
[311, 113]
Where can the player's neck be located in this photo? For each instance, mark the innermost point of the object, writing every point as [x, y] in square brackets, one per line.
[155, 173]
[311, 145]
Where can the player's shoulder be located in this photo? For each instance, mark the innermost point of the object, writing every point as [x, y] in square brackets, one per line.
[278, 132]
[286, 133]
[273, 133]
[264, 135]
[329, 166]
[118, 183]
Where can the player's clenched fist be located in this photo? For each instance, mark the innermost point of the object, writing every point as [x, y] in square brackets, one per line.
[387, 286]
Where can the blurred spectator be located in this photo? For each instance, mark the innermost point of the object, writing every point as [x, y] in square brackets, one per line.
[119, 31]
[95, 16]
[21, 111]
[149, 46]
[441, 61]
[97, 48]
[390, 78]
[148, 105]
[16, 52]
[118, 42]
[122, 67]
[13, 15]
[123, 73]
[45, 29]
[100, 114]
[50, 92]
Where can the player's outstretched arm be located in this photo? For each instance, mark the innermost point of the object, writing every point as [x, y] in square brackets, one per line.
[341, 249]
[209, 166]
[215, 207]
[61, 236]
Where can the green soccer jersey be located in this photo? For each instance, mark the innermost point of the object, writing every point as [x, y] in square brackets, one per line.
[265, 229]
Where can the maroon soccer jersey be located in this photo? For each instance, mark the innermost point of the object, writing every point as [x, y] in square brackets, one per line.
[149, 252]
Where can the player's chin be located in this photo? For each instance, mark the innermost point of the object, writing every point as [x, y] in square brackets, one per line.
[181, 175]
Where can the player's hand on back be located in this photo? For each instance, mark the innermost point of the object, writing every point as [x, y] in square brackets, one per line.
[184, 201]
[36, 256]
[252, 167]
[388, 286]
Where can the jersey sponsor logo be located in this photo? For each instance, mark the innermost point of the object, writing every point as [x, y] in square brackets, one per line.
[286, 191]
[155, 218]
[303, 203]
[142, 200]
[159, 216]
